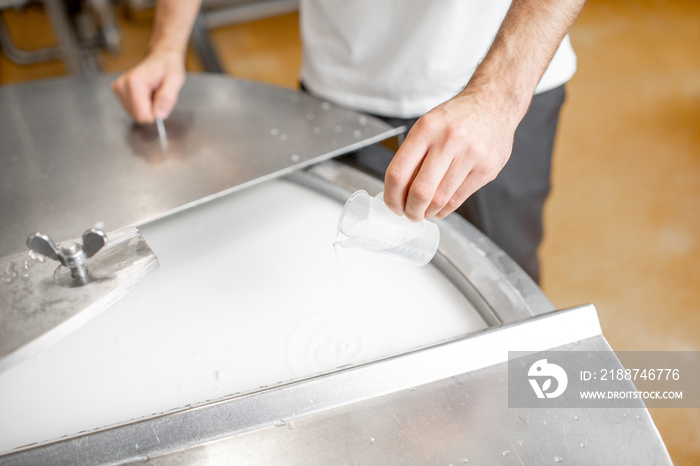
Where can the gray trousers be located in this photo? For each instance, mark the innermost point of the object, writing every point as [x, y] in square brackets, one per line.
[509, 210]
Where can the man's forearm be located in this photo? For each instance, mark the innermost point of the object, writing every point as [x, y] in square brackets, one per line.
[173, 24]
[522, 50]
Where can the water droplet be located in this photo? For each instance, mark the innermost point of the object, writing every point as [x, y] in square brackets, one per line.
[362, 120]
[583, 444]
[280, 423]
[37, 257]
[639, 418]
[506, 452]
[558, 459]
[464, 460]
[546, 422]
[371, 440]
[576, 418]
[295, 157]
[357, 133]
[274, 132]
[412, 389]
[520, 443]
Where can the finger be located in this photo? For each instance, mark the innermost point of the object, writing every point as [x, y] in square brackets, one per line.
[466, 189]
[140, 95]
[165, 96]
[424, 187]
[119, 89]
[402, 171]
[455, 175]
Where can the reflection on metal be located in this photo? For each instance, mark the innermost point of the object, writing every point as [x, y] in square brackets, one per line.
[39, 302]
[224, 134]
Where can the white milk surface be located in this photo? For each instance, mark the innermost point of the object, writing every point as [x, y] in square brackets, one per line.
[250, 292]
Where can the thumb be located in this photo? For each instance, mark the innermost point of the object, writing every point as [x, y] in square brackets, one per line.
[165, 97]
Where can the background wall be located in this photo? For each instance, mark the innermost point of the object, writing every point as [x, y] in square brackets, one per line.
[623, 221]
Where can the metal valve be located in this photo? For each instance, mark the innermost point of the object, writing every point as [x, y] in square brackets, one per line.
[70, 254]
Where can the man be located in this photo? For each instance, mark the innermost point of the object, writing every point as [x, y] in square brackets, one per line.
[404, 59]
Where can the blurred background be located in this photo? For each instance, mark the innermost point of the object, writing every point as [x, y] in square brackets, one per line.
[623, 221]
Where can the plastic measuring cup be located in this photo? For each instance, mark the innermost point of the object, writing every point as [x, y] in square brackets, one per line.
[367, 223]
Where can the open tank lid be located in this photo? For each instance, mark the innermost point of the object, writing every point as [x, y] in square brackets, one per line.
[72, 159]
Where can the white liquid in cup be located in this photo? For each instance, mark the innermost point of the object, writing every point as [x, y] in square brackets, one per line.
[367, 223]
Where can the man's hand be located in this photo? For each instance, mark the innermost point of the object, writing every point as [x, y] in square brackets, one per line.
[150, 89]
[449, 154]
[461, 145]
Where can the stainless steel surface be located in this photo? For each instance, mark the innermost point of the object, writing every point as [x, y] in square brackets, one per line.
[40, 301]
[457, 420]
[440, 405]
[224, 134]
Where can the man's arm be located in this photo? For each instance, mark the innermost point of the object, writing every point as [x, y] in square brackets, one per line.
[462, 144]
[150, 89]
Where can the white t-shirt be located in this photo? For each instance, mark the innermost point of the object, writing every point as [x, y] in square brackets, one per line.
[401, 58]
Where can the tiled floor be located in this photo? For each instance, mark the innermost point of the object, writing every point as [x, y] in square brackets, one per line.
[623, 222]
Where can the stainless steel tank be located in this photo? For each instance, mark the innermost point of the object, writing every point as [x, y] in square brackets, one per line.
[255, 341]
